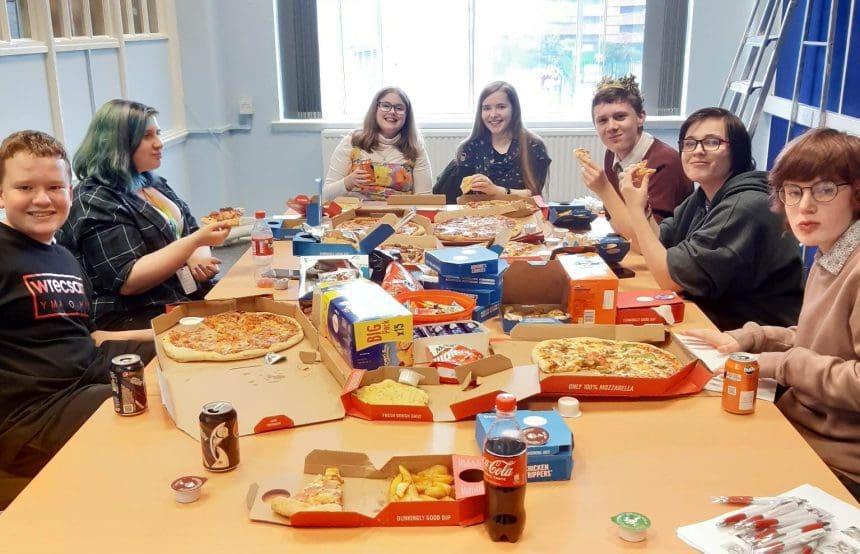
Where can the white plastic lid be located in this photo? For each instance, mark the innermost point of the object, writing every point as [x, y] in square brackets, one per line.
[409, 377]
[568, 406]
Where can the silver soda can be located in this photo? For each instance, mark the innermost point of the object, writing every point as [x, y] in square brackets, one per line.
[128, 385]
[219, 436]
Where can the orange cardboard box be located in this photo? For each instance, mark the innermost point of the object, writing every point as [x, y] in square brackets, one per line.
[448, 402]
[593, 288]
[365, 492]
[690, 379]
[299, 390]
[639, 307]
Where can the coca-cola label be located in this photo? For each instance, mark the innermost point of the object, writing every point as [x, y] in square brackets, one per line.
[505, 471]
[262, 247]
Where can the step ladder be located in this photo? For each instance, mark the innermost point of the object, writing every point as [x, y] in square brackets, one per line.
[760, 41]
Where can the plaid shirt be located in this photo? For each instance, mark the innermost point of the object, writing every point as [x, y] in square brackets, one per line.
[108, 231]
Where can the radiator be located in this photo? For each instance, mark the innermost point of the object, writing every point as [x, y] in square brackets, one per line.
[563, 184]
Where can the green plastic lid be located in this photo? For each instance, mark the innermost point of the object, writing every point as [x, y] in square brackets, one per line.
[632, 520]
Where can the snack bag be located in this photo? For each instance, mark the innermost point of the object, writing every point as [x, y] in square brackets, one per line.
[398, 280]
[453, 355]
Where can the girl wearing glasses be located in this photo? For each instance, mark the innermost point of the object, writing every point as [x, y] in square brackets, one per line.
[501, 156]
[816, 181]
[722, 246]
[384, 157]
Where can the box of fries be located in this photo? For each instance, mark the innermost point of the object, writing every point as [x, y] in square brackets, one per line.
[420, 490]
[689, 379]
[477, 385]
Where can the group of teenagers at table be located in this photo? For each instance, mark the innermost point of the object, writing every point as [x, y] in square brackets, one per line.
[86, 269]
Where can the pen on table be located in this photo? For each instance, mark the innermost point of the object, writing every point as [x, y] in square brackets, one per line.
[782, 537]
[776, 532]
[791, 542]
[778, 510]
[746, 514]
[744, 500]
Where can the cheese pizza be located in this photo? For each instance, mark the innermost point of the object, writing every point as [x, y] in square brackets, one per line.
[610, 358]
[323, 494]
[471, 229]
[232, 335]
[409, 254]
[228, 217]
[362, 224]
[514, 249]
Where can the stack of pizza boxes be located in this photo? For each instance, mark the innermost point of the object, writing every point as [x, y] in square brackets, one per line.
[549, 440]
[473, 270]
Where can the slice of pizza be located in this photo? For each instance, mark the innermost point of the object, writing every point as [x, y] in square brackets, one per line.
[582, 154]
[323, 494]
[229, 217]
[639, 171]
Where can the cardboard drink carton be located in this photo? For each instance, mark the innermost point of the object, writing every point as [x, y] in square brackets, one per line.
[549, 439]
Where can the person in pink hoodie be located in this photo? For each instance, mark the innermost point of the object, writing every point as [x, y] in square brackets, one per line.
[816, 182]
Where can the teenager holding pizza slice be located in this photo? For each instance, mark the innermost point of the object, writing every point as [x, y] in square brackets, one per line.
[723, 246]
[816, 182]
[500, 156]
[619, 118]
[136, 239]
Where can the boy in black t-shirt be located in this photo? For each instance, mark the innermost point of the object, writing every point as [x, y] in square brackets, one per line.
[53, 366]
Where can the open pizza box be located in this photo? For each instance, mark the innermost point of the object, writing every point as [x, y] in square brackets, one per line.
[477, 386]
[380, 211]
[306, 245]
[531, 223]
[518, 206]
[424, 243]
[690, 379]
[365, 492]
[300, 390]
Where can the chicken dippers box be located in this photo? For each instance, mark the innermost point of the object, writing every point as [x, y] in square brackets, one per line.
[478, 384]
[266, 397]
[649, 306]
[691, 378]
[366, 491]
[549, 440]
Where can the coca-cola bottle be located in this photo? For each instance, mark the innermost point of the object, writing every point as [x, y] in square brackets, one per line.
[505, 473]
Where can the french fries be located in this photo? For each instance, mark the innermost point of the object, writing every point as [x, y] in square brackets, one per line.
[433, 483]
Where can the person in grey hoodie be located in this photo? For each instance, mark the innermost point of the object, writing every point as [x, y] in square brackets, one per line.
[723, 246]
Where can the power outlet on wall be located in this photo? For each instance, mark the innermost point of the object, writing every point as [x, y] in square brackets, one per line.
[246, 106]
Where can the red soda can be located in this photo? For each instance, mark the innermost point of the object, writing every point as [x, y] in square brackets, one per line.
[740, 384]
[127, 385]
[219, 436]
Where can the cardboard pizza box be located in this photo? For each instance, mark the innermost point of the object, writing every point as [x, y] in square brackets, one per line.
[690, 379]
[478, 385]
[532, 223]
[381, 211]
[649, 306]
[426, 242]
[302, 389]
[593, 288]
[306, 245]
[536, 203]
[417, 200]
[365, 492]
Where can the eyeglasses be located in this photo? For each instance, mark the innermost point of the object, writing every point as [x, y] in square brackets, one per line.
[388, 106]
[709, 144]
[822, 191]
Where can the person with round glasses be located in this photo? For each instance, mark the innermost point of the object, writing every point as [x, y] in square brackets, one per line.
[386, 156]
[722, 246]
[816, 181]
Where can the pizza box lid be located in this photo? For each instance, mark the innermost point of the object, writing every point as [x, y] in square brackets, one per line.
[463, 261]
[306, 245]
[529, 282]
[690, 379]
[416, 200]
[647, 298]
[365, 492]
[478, 385]
[300, 390]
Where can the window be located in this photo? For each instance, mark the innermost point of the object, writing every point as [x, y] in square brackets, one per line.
[443, 52]
[16, 23]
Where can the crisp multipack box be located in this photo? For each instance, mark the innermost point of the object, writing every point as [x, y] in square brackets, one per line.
[366, 492]
[303, 388]
[549, 440]
[370, 328]
[478, 384]
[690, 379]
[639, 307]
[593, 288]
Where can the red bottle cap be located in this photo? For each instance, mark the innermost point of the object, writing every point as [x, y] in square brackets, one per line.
[506, 402]
[259, 215]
